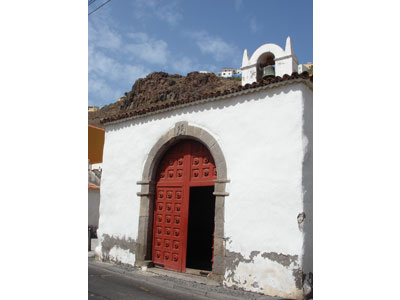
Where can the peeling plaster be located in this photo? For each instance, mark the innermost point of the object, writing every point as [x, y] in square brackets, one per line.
[122, 256]
[269, 273]
[233, 259]
[117, 249]
[298, 278]
[283, 259]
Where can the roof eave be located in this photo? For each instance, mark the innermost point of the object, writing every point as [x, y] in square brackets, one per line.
[247, 90]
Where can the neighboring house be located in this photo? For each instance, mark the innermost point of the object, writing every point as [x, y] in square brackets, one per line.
[95, 157]
[309, 65]
[93, 108]
[220, 183]
[303, 68]
[229, 72]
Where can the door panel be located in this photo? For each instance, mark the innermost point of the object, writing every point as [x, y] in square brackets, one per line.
[168, 227]
[185, 164]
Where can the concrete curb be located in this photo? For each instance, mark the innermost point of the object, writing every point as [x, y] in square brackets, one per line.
[186, 287]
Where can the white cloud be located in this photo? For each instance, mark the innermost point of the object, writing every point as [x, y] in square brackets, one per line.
[168, 11]
[108, 78]
[150, 50]
[211, 68]
[184, 65]
[254, 27]
[101, 34]
[238, 4]
[138, 36]
[104, 66]
[107, 87]
[117, 60]
[101, 92]
[215, 46]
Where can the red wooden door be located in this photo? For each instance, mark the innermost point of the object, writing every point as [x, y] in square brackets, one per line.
[186, 164]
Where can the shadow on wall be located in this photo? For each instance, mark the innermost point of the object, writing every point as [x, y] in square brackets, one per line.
[307, 183]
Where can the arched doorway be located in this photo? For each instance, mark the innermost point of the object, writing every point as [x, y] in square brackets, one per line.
[181, 131]
[184, 208]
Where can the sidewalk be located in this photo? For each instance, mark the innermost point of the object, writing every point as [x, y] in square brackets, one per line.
[195, 285]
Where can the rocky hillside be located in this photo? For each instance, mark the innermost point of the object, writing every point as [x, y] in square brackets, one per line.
[160, 87]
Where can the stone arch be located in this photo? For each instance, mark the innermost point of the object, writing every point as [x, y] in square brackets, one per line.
[182, 130]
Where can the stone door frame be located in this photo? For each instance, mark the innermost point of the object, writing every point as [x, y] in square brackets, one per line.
[182, 130]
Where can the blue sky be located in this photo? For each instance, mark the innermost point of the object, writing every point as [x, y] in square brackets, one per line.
[129, 39]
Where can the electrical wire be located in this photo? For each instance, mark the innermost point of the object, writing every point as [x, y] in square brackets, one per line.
[92, 1]
[98, 7]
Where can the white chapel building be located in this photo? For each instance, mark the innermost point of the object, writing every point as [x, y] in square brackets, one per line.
[220, 183]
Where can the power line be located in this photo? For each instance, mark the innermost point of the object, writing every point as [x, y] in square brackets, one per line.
[99, 7]
[92, 1]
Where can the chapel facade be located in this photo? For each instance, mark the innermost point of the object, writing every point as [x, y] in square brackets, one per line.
[219, 184]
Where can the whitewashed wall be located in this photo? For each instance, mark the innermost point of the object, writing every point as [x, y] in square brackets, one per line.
[261, 136]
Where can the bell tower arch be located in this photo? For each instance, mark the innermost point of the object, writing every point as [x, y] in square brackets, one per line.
[285, 61]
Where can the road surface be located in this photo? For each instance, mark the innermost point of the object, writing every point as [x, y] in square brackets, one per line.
[107, 285]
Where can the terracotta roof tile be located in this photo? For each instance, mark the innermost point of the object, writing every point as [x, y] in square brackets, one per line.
[248, 86]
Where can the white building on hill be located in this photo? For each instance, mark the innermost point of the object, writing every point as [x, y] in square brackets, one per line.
[229, 72]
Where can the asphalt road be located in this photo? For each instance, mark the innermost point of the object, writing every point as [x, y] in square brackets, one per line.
[106, 285]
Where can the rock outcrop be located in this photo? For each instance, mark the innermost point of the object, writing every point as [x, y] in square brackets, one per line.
[160, 87]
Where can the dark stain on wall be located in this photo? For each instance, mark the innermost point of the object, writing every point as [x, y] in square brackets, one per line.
[298, 278]
[308, 285]
[300, 220]
[284, 260]
[232, 259]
